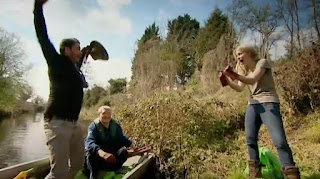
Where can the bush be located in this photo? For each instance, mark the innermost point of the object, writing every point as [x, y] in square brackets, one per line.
[181, 129]
[299, 79]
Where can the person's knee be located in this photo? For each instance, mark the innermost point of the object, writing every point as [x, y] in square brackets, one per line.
[281, 144]
[123, 152]
[252, 139]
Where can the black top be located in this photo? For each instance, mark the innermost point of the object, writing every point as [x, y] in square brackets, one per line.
[66, 90]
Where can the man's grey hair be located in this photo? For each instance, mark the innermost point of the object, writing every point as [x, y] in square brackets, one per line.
[104, 108]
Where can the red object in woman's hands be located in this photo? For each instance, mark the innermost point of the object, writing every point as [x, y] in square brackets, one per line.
[229, 72]
[223, 79]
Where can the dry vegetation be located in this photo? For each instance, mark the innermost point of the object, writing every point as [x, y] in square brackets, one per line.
[202, 136]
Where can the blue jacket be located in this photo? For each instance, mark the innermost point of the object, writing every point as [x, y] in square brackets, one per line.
[108, 139]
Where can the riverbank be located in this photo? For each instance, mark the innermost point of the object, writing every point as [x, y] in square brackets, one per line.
[23, 108]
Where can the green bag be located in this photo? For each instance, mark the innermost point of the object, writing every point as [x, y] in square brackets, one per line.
[80, 175]
[108, 175]
[272, 168]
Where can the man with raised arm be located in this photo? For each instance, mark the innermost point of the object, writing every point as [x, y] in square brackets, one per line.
[63, 133]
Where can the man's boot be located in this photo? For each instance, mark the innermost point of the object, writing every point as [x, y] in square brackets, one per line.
[291, 172]
[254, 169]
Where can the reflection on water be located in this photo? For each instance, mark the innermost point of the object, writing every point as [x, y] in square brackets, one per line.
[22, 139]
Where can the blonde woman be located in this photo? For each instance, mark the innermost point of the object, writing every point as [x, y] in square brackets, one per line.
[263, 108]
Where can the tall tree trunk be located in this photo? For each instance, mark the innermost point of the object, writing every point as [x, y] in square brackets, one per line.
[297, 23]
[291, 34]
[315, 18]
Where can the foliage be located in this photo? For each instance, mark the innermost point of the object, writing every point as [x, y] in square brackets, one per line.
[183, 31]
[151, 32]
[13, 89]
[92, 96]
[117, 85]
[156, 69]
[215, 61]
[299, 79]
[182, 27]
[148, 40]
[209, 36]
[199, 132]
[180, 128]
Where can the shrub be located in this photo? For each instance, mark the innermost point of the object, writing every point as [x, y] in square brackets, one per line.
[299, 79]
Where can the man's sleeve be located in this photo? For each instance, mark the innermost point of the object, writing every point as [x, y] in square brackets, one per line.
[91, 139]
[47, 47]
[126, 142]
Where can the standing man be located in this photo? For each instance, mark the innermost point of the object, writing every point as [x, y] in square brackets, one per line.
[63, 133]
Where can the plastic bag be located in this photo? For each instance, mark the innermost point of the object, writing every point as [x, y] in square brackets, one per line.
[272, 168]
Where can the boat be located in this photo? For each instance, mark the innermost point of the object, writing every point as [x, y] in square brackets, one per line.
[142, 166]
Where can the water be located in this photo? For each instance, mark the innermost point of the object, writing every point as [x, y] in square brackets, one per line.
[22, 139]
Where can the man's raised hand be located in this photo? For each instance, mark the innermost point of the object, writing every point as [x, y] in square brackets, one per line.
[42, 1]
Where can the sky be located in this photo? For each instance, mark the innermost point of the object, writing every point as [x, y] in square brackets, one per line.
[117, 24]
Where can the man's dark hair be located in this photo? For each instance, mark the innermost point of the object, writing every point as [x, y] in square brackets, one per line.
[67, 43]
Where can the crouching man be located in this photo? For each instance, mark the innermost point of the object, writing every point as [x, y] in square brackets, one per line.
[105, 145]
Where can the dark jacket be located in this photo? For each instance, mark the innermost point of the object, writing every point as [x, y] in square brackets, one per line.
[108, 139]
[66, 90]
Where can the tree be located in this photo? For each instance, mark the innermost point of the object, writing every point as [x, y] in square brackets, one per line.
[285, 8]
[12, 87]
[183, 31]
[182, 27]
[217, 25]
[259, 18]
[315, 10]
[92, 96]
[147, 41]
[151, 32]
[11, 56]
[117, 85]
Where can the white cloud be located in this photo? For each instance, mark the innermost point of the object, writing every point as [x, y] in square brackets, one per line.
[38, 78]
[64, 17]
[17, 11]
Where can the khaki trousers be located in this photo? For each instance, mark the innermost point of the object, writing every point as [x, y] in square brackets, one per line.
[66, 146]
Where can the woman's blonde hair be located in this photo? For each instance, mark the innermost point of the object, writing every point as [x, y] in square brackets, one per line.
[251, 51]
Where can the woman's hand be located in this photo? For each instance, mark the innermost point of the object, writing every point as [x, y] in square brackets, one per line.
[223, 79]
[229, 72]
